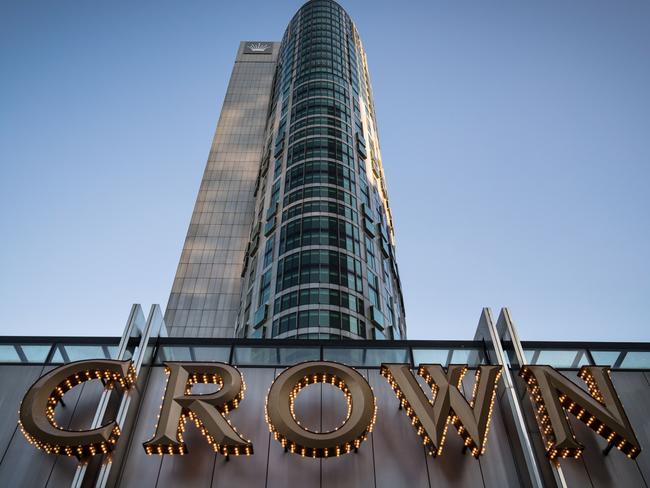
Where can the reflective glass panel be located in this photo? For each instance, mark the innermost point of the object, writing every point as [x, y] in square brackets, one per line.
[9, 354]
[568, 358]
[471, 356]
[622, 359]
[274, 356]
[636, 360]
[36, 353]
[372, 357]
[67, 353]
[605, 358]
[24, 353]
[193, 353]
[430, 356]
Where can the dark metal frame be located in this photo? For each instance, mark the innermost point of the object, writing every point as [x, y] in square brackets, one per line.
[55, 343]
[588, 348]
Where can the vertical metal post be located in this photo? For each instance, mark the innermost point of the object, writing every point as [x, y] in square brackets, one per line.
[487, 332]
[97, 471]
[507, 327]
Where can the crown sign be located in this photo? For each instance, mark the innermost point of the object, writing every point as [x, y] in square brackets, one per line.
[258, 47]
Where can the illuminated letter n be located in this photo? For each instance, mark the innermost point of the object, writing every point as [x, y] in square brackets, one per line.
[600, 409]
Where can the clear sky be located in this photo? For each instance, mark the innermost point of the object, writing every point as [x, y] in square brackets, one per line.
[515, 139]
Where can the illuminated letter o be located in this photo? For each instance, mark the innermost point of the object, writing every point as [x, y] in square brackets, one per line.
[293, 437]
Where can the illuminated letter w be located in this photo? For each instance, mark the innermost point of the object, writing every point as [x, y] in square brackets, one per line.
[431, 417]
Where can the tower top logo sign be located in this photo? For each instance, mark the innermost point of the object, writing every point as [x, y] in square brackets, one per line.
[258, 48]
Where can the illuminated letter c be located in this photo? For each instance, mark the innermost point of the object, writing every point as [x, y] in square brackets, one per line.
[37, 408]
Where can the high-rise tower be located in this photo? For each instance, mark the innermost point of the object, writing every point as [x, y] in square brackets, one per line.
[292, 233]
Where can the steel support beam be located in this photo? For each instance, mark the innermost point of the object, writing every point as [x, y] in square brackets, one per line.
[97, 471]
[492, 336]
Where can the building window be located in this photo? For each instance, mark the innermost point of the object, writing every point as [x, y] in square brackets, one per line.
[265, 287]
[320, 148]
[318, 296]
[319, 266]
[320, 172]
[318, 319]
[320, 192]
[268, 251]
[319, 231]
[370, 253]
[319, 206]
[373, 290]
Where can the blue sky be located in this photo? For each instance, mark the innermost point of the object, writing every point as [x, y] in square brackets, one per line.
[515, 138]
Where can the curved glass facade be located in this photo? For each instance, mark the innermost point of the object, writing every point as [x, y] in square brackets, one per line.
[321, 259]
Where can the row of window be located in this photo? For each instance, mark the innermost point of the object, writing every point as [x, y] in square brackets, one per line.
[319, 75]
[322, 28]
[311, 16]
[326, 12]
[316, 120]
[330, 46]
[312, 58]
[321, 206]
[319, 266]
[320, 106]
[323, 42]
[320, 231]
[319, 336]
[318, 296]
[320, 131]
[324, 6]
[320, 148]
[338, 35]
[327, 15]
[326, 43]
[319, 192]
[322, 12]
[337, 38]
[320, 88]
[322, 71]
[338, 23]
[320, 172]
[319, 318]
[328, 66]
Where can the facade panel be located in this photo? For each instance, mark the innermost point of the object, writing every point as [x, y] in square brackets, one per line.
[15, 380]
[22, 465]
[397, 462]
[205, 294]
[140, 470]
[247, 471]
[392, 455]
[345, 471]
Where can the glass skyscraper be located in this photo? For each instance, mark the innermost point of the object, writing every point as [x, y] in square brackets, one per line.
[292, 233]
